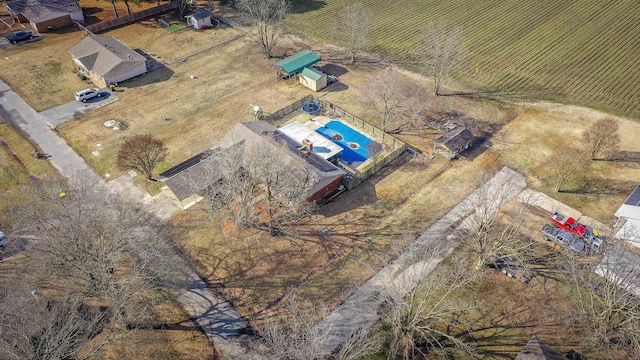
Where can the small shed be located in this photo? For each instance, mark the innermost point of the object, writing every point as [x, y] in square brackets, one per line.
[200, 20]
[313, 78]
[294, 64]
[453, 142]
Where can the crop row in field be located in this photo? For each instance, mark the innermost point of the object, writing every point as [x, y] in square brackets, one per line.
[584, 52]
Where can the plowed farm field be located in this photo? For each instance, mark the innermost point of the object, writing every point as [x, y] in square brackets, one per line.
[581, 52]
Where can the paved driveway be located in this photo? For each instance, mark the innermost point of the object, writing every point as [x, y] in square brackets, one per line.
[75, 109]
[361, 309]
[219, 320]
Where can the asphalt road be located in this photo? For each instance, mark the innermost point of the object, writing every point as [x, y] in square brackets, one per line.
[222, 324]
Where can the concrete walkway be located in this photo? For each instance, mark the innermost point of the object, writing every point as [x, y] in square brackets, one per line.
[219, 320]
[360, 310]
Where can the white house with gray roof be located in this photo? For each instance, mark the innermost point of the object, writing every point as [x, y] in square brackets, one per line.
[105, 60]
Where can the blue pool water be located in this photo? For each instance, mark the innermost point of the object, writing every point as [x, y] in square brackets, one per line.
[353, 143]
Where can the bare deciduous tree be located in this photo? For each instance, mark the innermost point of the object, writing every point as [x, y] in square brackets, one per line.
[141, 153]
[268, 16]
[285, 183]
[481, 232]
[602, 137]
[41, 328]
[420, 311]
[441, 53]
[354, 28]
[564, 164]
[389, 95]
[261, 186]
[292, 334]
[104, 248]
[607, 300]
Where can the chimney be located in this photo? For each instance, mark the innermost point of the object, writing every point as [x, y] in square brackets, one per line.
[308, 144]
[128, 56]
[305, 152]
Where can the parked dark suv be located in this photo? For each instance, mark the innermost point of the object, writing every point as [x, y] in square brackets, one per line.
[20, 36]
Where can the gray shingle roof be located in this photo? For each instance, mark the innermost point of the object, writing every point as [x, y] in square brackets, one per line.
[41, 10]
[199, 172]
[102, 54]
[455, 138]
[202, 14]
[538, 350]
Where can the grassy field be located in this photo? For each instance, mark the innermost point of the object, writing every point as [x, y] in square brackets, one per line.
[18, 171]
[580, 52]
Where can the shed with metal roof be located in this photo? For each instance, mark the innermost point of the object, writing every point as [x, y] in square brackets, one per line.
[294, 64]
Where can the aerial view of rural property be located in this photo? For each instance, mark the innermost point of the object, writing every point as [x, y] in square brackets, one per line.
[319, 179]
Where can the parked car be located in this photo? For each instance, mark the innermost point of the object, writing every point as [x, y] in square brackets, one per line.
[87, 94]
[3, 239]
[565, 239]
[20, 36]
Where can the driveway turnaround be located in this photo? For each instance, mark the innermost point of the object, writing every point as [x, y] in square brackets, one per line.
[360, 310]
[218, 319]
[21, 115]
[74, 109]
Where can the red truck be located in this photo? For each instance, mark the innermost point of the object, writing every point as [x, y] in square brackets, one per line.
[569, 224]
[573, 227]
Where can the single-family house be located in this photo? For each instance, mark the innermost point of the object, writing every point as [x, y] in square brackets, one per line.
[105, 60]
[191, 178]
[313, 78]
[200, 19]
[453, 142]
[629, 214]
[46, 15]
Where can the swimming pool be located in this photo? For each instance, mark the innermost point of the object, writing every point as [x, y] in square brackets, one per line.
[353, 143]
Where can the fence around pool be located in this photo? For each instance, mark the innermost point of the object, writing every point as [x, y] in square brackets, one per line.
[334, 112]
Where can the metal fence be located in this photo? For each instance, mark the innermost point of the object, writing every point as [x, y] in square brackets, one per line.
[336, 112]
[290, 108]
[330, 110]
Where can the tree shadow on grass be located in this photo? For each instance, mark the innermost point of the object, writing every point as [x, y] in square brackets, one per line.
[333, 69]
[502, 93]
[303, 6]
[601, 186]
[623, 156]
[363, 194]
[498, 332]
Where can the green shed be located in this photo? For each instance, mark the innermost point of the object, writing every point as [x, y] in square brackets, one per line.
[295, 63]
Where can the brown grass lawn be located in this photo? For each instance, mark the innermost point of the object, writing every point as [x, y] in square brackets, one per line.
[18, 168]
[188, 114]
[179, 339]
[173, 337]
